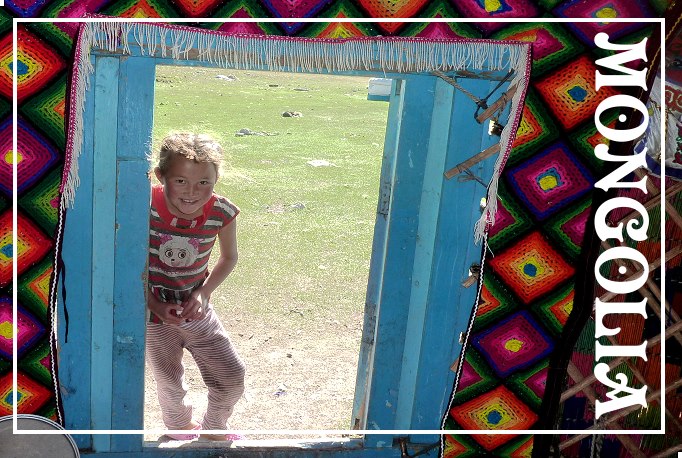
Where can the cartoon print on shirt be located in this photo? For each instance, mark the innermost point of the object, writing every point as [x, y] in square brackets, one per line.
[176, 251]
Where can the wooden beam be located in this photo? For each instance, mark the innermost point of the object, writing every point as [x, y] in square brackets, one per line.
[667, 453]
[652, 298]
[653, 266]
[638, 375]
[631, 447]
[418, 100]
[103, 250]
[423, 274]
[672, 213]
[675, 328]
[497, 104]
[649, 185]
[656, 307]
[135, 120]
[621, 413]
[473, 160]
[651, 203]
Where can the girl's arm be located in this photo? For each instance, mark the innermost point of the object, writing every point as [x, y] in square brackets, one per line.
[195, 307]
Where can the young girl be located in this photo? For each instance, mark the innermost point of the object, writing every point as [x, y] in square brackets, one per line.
[186, 217]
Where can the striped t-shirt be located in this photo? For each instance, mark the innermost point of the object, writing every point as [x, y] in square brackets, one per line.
[179, 249]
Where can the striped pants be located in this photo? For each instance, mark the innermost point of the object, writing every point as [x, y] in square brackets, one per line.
[220, 366]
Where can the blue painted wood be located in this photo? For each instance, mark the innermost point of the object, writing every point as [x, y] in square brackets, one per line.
[307, 450]
[132, 240]
[74, 353]
[411, 344]
[103, 225]
[424, 252]
[135, 113]
[378, 256]
[450, 304]
[402, 235]
[136, 110]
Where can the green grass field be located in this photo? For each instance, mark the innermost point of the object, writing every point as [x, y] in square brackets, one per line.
[305, 232]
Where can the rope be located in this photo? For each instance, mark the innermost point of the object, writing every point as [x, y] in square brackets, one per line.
[468, 175]
[480, 103]
[597, 442]
[454, 82]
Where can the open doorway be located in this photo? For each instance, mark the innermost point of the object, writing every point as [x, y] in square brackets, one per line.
[303, 162]
[422, 237]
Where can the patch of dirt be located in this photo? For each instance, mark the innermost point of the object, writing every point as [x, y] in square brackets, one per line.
[298, 377]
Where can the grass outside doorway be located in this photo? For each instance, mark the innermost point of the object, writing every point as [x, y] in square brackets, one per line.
[307, 187]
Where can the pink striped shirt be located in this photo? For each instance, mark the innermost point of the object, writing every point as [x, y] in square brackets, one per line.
[179, 249]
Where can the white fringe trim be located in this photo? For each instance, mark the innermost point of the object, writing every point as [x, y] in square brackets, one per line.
[522, 78]
[276, 53]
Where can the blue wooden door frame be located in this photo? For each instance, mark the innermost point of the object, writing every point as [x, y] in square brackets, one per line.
[105, 255]
[422, 249]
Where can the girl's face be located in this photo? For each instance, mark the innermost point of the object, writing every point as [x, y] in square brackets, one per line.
[187, 186]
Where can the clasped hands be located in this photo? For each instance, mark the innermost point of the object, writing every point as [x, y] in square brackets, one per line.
[194, 308]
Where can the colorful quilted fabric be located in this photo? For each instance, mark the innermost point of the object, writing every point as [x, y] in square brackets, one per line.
[603, 9]
[497, 409]
[513, 344]
[552, 179]
[32, 246]
[545, 197]
[29, 331]
[496, 9]
[552, 44]
[31, 395]
[37, 63]
[570, 92]
[144, 8]
[35, 155]
[528, 289]
[46, 111]
[531, 268]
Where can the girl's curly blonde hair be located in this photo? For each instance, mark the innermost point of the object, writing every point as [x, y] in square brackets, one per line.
[196, 147]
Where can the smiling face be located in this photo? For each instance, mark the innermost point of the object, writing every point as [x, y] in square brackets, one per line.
[187, 185]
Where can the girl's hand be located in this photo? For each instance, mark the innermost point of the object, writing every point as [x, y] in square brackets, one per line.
[167, 312]
[196, 306]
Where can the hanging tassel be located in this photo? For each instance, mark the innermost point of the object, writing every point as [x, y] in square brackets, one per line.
[507, 138]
